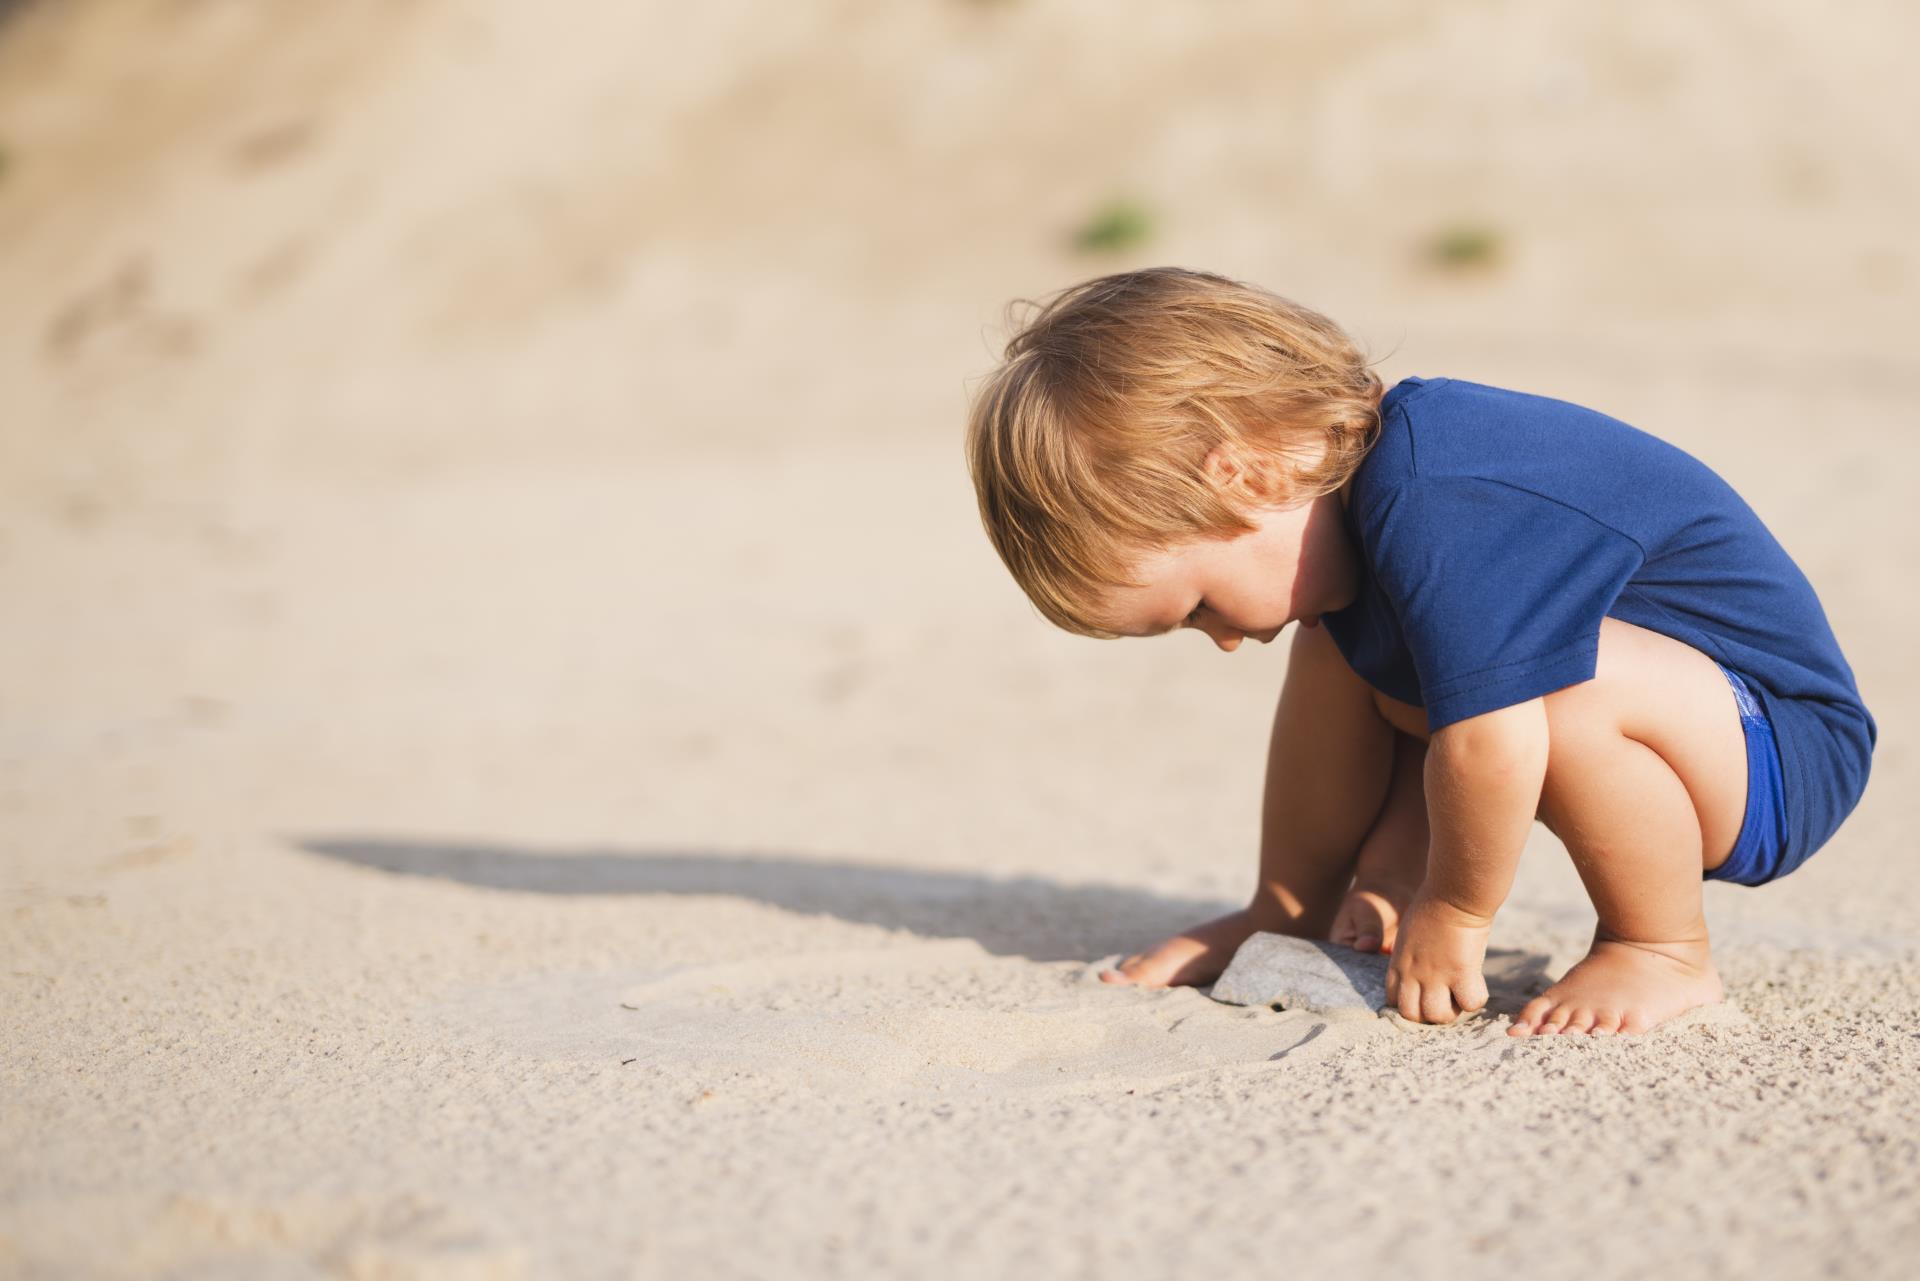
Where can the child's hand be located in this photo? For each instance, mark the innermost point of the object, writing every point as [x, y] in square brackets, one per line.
[1435, 976]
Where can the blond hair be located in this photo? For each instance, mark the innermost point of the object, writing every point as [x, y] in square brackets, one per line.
[1087, 445]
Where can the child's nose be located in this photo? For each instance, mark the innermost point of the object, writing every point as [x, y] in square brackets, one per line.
[1226, 638]
[1219, 633]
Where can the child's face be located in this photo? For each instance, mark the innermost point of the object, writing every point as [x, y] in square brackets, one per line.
[1294, 565]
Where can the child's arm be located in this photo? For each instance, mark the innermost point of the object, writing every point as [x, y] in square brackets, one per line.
[1483, 780]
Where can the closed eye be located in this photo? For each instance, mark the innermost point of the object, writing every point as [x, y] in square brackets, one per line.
[1195, 615]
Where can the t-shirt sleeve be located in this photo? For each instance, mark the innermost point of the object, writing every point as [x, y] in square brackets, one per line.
[1499, 590]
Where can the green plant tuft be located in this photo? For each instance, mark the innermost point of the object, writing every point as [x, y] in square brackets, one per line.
[1466, 245]
[1119, 224]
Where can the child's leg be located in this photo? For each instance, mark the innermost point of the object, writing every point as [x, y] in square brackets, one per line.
[1329, 761]
[1393, 857]
[1646, 786]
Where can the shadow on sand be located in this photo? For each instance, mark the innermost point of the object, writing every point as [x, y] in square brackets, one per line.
[1022, 916]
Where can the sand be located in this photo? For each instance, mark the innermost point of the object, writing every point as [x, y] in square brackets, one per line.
[516, 759]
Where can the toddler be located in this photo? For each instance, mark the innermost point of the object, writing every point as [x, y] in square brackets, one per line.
[1511, 608]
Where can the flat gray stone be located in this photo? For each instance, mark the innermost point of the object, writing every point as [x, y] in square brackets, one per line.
[1303, 974]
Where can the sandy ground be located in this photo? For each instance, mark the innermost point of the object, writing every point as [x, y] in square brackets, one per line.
[516, 759]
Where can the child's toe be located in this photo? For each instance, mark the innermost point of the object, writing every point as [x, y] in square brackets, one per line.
[1553, 1020]
[1581, 1022]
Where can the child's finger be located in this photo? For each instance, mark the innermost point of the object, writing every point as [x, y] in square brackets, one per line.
[1436, 1004]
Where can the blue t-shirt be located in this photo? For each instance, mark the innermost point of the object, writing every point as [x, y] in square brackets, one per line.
[1498, 528]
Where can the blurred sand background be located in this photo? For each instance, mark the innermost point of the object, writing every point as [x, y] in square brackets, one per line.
[516, 759]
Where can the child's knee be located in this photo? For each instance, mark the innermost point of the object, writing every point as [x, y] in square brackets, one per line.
[1633, 671]
[1657, 714]
[1583, 727]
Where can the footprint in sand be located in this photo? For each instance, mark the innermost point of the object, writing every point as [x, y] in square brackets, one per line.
[883, 1015]
[933, 1015]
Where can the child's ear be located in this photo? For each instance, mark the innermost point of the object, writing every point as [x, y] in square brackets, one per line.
[1240, 473]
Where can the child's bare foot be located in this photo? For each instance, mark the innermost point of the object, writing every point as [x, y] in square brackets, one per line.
[1624, 987]
[1367, 921]
[1369, 916]
[1193, 956]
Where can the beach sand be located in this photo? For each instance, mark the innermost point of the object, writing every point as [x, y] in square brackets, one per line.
[516, 759]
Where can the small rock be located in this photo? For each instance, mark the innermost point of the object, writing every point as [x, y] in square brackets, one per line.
[1303, 974]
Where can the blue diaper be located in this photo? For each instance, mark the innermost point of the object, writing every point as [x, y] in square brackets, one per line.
[1759, 853]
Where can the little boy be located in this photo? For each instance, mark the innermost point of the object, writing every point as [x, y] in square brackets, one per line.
[1510, 608]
